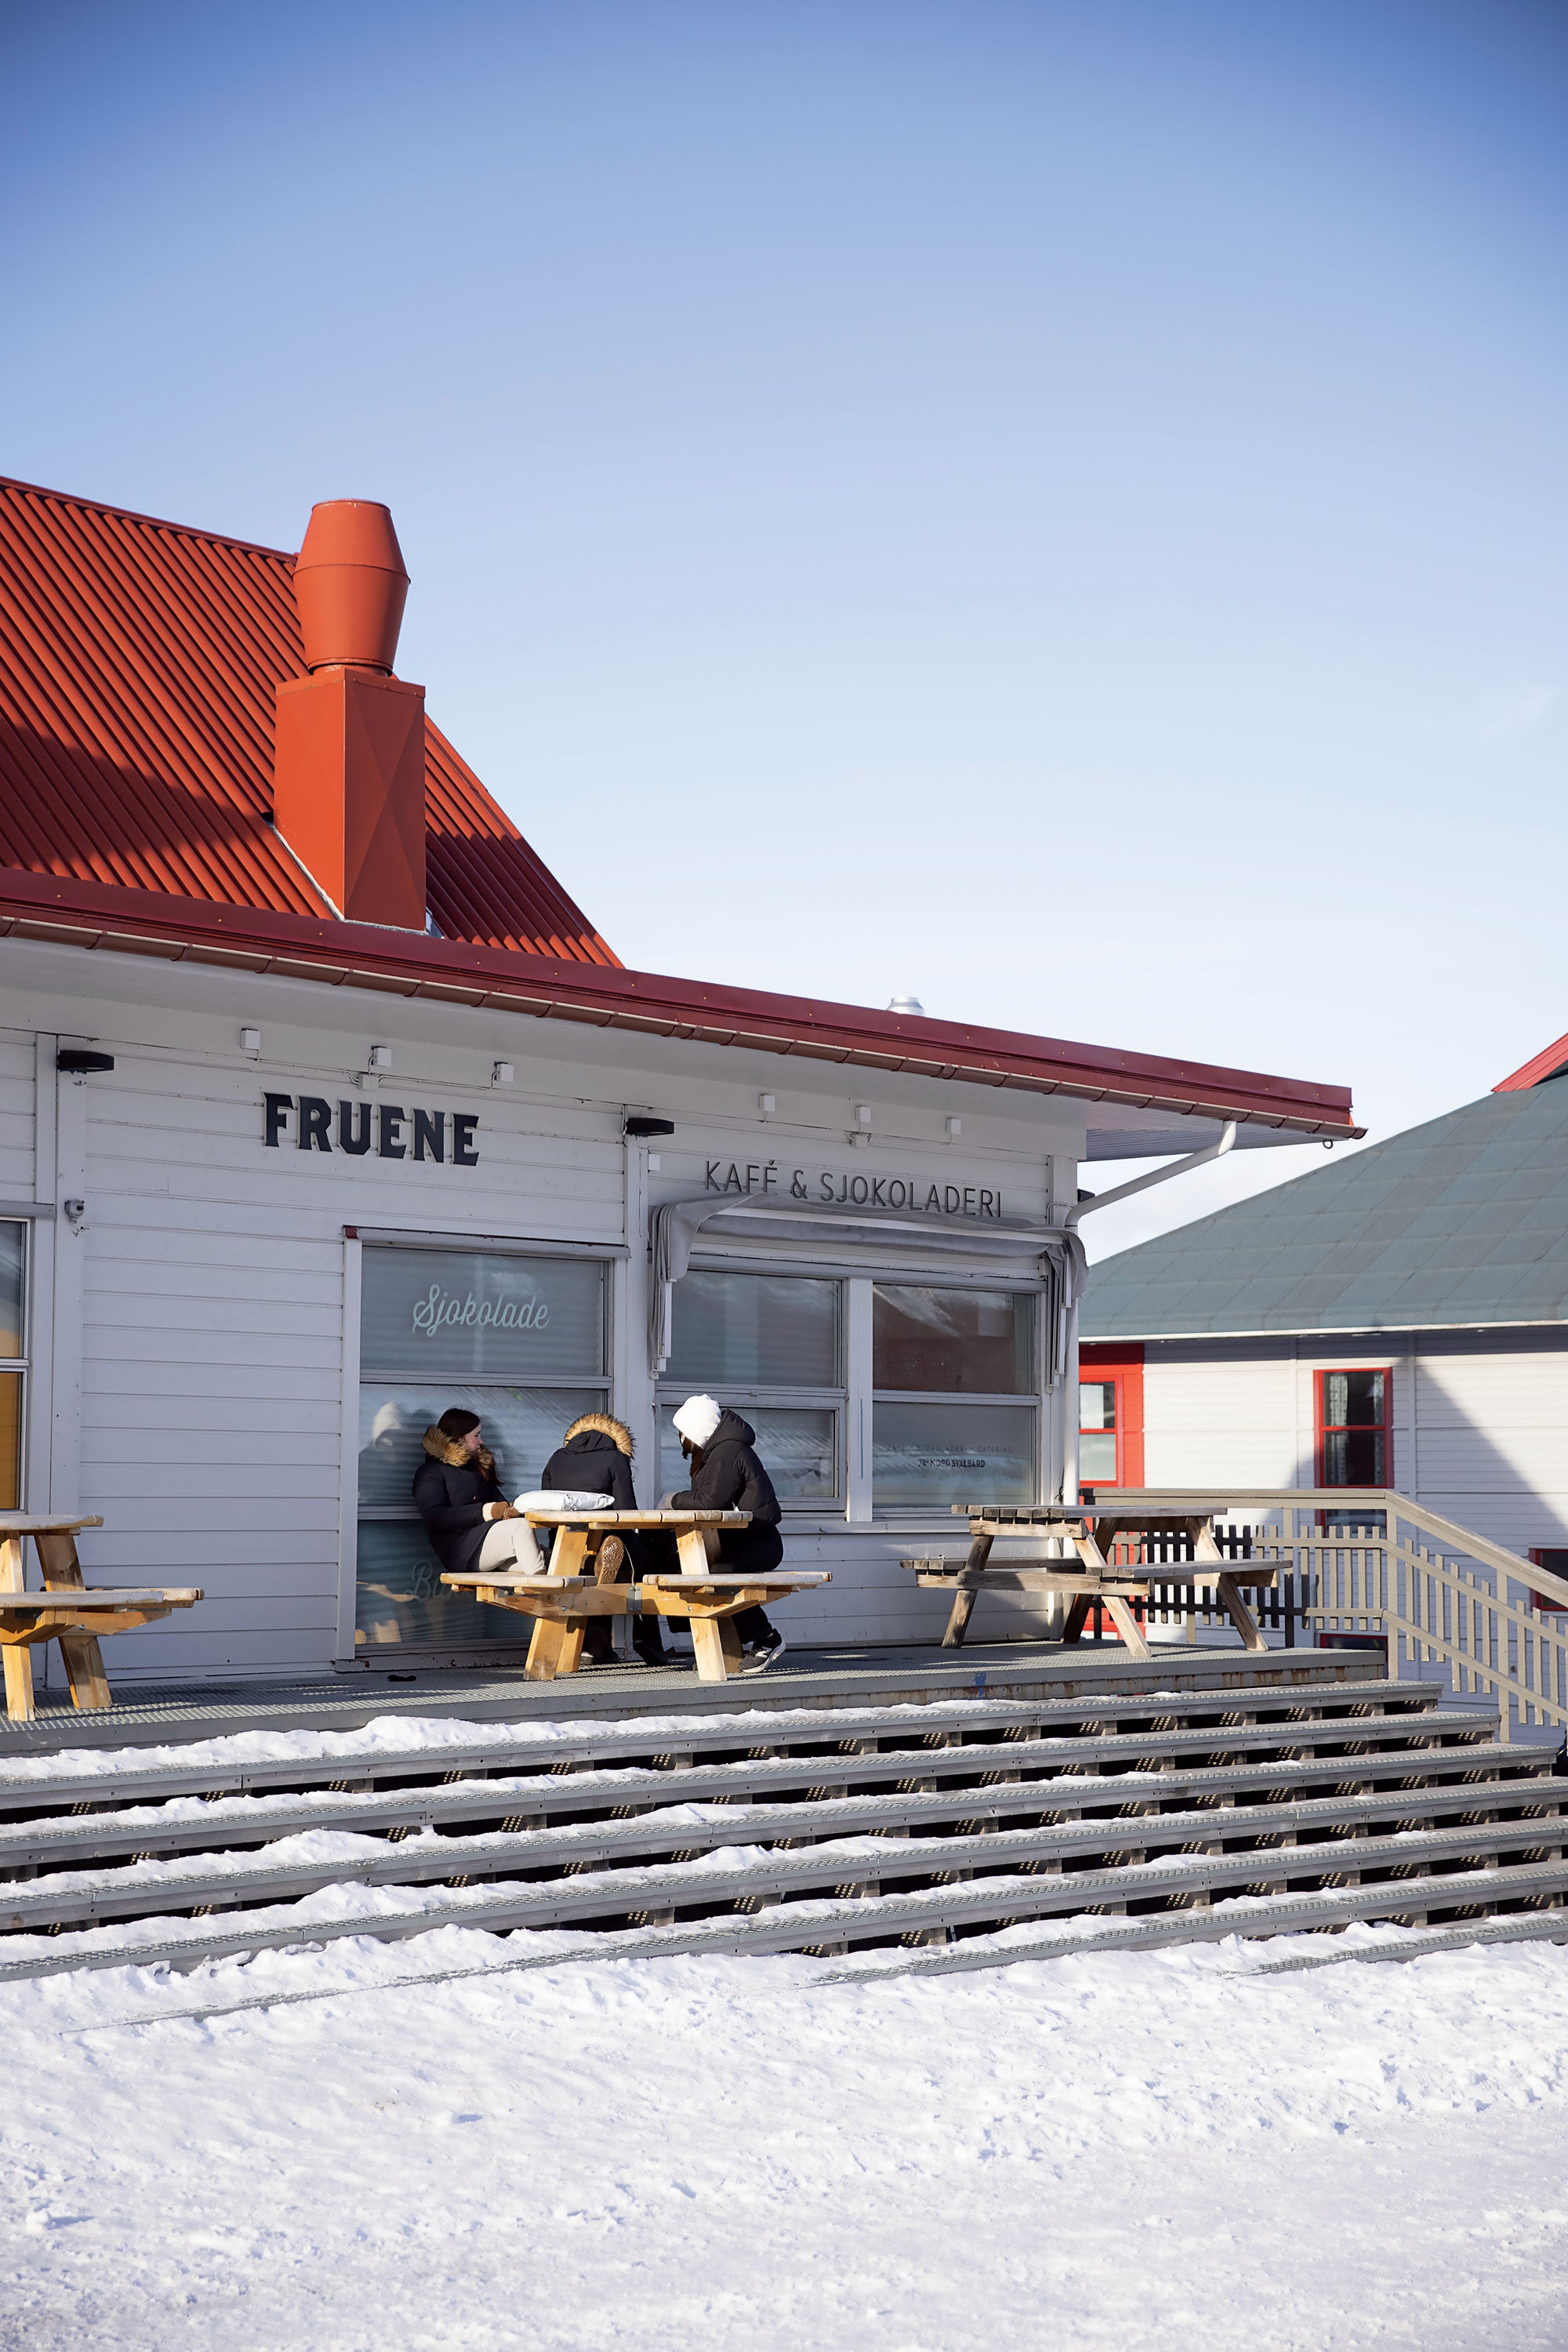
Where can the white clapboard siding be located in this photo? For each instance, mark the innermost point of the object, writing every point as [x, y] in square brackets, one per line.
[1221, 1420]
[18, 1113]
[1480, 1420]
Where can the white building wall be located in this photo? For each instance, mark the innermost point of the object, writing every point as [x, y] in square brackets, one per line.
[201, 1361]
[1480, 1420]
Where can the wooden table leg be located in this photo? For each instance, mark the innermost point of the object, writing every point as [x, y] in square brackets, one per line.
[692, 1552]
[1227, 1589]
[1240, 1615]
[1077, 1618]
[542, 1651]
[964, 1599]
[718, 1647]
[19, 1707]
[1127, 1626]
[85, 1678]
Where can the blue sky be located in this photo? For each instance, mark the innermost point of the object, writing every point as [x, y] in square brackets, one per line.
[1055, 508]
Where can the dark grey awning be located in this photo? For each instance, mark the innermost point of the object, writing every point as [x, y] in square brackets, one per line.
[1049, 1255]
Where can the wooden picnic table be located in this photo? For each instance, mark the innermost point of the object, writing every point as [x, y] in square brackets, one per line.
[66, 1610]
[586, 1558]
[1094, 1529]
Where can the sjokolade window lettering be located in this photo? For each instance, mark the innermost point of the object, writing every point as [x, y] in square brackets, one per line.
[392, 1132]
[767, 1180]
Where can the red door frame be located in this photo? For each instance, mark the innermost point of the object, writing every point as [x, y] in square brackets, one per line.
[1121, 1361]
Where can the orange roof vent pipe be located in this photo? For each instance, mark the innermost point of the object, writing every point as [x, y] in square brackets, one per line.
[351, 584]
[349, 781]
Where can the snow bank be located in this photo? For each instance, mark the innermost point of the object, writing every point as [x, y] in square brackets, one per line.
[676, 2156]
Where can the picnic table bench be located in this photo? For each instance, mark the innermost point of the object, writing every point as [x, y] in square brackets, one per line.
[587, 1556]
[1095, 1529]
[66, 1610]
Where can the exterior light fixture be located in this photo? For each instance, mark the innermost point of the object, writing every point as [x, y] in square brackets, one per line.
[501, 1074]
[862, 1114]
[80, 1061]
[639, 1124]
[250, 1041]
[381, 1058]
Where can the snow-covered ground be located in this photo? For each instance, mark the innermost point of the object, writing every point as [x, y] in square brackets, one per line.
[1163, 2149]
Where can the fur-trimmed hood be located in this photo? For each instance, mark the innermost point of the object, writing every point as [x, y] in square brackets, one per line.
[604, 1424]
[456, 1455]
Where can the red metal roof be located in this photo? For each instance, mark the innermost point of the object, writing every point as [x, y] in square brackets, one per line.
[403, 965]
[138, 667]
[1547, 1063]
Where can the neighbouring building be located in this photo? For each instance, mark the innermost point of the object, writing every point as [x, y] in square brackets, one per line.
[1396, 1319]
[323, 1106]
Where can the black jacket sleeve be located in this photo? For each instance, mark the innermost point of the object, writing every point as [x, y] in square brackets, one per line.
[731, 1478]
[443, 1517]
[623, 1493]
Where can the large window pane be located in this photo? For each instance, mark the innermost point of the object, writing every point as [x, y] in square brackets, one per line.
[797, 1444]
[401, 1598]
[929, 1455]
[948, 1342]
[13, 1268]
[522, 1428]
[10, 1441]
[1097, 1454]
[1354, 1457]
[755, 1330]
[1097, 1404]
[462, 1313]
[1353, 1400]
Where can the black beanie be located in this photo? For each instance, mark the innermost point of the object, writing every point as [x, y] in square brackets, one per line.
[456, 1421]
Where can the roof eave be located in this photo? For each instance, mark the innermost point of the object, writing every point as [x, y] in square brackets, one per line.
[96, 915]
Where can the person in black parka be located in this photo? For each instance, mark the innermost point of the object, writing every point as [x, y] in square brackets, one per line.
[458, 1498]
[727, 1475]
[472, 1525]
[595, 1458]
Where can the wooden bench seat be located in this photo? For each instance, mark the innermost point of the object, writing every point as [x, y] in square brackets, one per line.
[66, 1610]
[563, 1601]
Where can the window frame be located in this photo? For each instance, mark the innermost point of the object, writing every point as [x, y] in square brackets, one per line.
[19, 1367]
[1031, 1401]
[770, 1395]
[359, 1373]
[1538, 1556]
[1323, 1429]
[1123, 1368]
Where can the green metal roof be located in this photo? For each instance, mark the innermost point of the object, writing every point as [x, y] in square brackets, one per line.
[1461, 1222]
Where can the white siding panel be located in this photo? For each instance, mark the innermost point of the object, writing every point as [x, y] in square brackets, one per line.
[1220, 1420]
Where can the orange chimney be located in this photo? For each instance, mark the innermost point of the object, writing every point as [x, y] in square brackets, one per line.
[348, 785]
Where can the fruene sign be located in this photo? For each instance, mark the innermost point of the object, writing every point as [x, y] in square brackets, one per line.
[363, 1126]
[768, 1179]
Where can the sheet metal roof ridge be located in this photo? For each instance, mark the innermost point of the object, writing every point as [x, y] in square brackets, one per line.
[90, 914]
[1548, 1064]
[157, 522]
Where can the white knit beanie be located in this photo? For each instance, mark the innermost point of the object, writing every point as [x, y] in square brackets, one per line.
[697, 1418]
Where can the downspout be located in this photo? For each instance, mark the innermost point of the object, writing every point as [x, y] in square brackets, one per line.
[1102, 1201]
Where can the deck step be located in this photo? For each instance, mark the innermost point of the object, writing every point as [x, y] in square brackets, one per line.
[830, 1926]
[1441, 1744]
[1296, 1837]
[512, 1750]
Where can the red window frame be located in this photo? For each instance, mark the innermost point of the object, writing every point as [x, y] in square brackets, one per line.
[1324, 1429]
[1122, 1366]
[1541, 1554]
